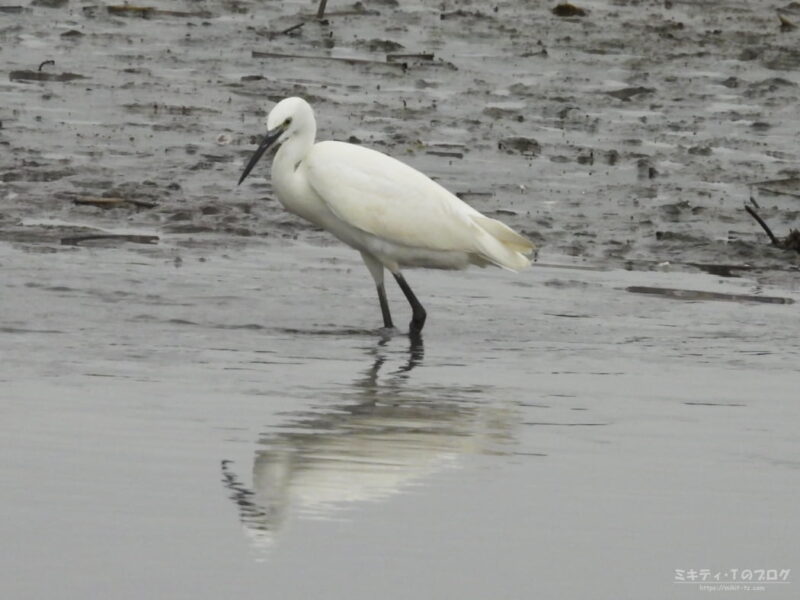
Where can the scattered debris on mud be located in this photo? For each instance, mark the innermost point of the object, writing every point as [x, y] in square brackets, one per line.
[790, 242]
[620, 136]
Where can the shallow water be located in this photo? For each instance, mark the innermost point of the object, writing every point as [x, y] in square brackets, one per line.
[217, 415]
[553, 432]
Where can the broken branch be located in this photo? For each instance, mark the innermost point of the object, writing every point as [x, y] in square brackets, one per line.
[752, 212]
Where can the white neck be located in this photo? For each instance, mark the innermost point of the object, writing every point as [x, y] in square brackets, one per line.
[289, 185]
[294, 149]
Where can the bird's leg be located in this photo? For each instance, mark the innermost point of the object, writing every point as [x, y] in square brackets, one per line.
[376, 270]
[387, 316]
[418, 313]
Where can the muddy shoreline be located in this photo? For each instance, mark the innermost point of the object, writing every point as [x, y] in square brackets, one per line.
[633, 135]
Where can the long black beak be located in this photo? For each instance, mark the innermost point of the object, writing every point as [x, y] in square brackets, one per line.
[268, 140]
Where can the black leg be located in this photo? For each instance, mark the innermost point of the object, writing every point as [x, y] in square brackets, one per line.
[387, 316]
[418, 313]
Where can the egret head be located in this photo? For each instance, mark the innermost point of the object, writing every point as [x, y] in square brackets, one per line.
[289, 118]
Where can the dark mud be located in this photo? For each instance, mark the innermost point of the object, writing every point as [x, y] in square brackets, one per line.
[630, 135]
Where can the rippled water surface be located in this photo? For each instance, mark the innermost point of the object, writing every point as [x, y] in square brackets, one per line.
[553, 430]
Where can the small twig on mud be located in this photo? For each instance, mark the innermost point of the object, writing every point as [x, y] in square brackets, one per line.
[321, 9]
[289, 30]
[753, 200]
[46, 62]
[751, 211]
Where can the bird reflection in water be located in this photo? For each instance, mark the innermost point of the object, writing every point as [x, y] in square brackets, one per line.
[375, 440]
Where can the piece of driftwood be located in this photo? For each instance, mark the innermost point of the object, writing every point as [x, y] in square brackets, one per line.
[28, 75]
[75, 240]
[626, 94]
[565, 9]
[721, 270]
[113, 202]
[352, 61]
[291, 29]
[696, 295]
[445, 153]
[145, 12]
[424, 56]
[790, 242]
[788, 186]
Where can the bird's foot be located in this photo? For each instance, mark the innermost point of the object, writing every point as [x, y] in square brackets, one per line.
[388, 332]
[416, 324]
[415, 332]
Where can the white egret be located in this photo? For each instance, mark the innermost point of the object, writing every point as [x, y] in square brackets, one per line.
[391, 213]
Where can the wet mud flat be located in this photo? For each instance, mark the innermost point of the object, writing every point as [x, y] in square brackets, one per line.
[634, 133]
[197, 403]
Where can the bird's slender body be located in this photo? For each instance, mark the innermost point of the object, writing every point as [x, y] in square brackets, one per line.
[394, 215]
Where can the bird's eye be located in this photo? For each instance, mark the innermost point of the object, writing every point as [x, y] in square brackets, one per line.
[287, 122]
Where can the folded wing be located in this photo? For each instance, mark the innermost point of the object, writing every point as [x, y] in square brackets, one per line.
[386, 198]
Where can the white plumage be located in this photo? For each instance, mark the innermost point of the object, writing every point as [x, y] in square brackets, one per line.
[393, 214]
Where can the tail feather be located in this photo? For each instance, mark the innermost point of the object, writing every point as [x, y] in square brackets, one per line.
[502, 245]
[505, 234]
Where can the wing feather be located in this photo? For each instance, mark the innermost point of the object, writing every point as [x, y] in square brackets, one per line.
[389, 199]
[393, 201]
